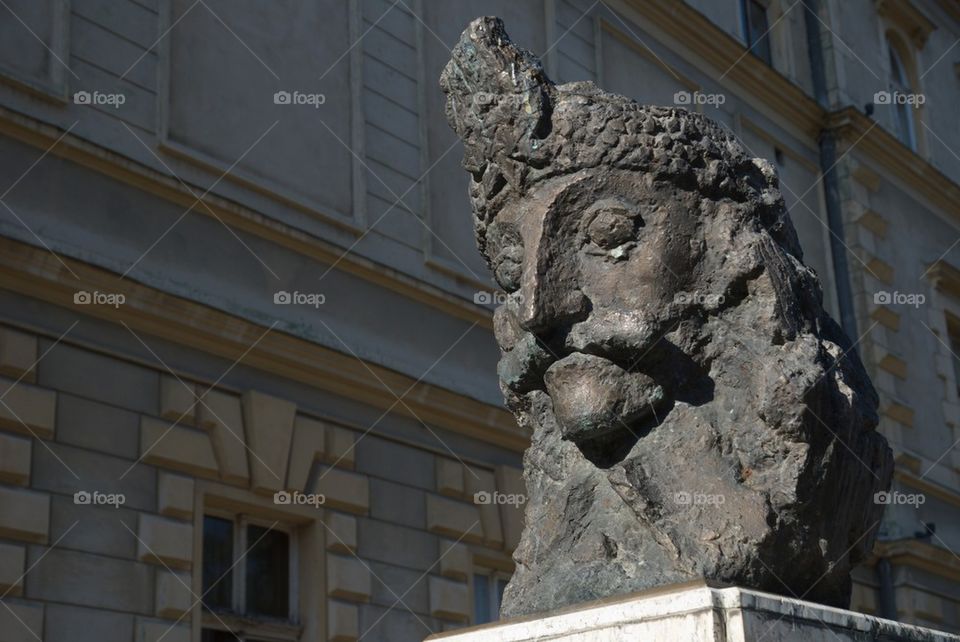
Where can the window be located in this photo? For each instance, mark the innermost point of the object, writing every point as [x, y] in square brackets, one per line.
[756, 29]
[899, 90]
[487, 594]
[249, 573]
[953, 330]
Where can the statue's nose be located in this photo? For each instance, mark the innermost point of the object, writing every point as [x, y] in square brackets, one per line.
[550, 295]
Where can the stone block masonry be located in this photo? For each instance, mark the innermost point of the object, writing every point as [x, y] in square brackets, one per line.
[104, 489]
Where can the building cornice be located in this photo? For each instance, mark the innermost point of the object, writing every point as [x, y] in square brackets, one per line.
[916, 481]
[888, 153]
[699, 36]
[121, 168]
[38, 274]
[918, 554]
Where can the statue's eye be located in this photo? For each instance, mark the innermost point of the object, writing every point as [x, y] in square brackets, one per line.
[611, 227]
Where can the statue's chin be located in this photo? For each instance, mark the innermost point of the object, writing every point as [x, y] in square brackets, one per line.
[593, 396]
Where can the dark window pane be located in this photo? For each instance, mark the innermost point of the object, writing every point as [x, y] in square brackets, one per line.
[955, 351]
[209, 635]
[756, 29]
[268, 572]
[481, 598]
[217, 563]
[903, 118]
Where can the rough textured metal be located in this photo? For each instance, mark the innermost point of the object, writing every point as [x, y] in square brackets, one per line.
[694, 411]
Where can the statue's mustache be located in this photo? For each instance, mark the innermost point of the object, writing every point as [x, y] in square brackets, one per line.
[623, 339]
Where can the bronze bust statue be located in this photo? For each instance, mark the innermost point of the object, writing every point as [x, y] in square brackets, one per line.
[694, 412]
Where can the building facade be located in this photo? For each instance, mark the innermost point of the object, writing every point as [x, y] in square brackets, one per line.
[247, 372]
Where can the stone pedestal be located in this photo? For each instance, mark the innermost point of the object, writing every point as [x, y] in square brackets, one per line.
[697, 612]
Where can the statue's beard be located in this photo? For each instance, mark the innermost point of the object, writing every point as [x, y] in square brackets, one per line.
[593, 396]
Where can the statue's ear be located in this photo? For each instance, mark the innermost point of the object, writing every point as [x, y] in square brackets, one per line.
[498, 97]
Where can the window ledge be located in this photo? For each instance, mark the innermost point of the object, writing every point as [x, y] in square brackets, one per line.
[241, 624]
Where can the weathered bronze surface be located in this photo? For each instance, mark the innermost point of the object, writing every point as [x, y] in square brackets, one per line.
[694, 411]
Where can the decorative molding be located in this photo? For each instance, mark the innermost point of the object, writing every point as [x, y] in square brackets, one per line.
[899, 412]
[28, 409]
[235, 215]
[864, 175]
[18, 355]
[907, 17]
[36, 273]
[917, 554]
[894, 365]
[945, 277]
[879, 268]
[15, 460]
[874, 222]
[906, 462]
[449, 599]
[875, 142]
[55, 86]
[24, 515]
[886, 317]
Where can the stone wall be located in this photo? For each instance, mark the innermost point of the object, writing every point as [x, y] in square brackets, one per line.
[399, 533]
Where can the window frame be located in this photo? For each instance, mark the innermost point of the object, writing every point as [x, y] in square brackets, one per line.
[899, 49]
[749, 42]
[952, 324]
[899, 82]
[492, 575]
[237, 621]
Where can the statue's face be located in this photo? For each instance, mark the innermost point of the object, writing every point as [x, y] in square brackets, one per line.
[594, 265]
